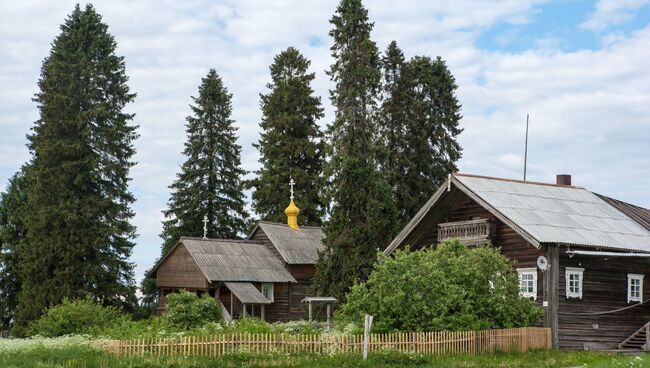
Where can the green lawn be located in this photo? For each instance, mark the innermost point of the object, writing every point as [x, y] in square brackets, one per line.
[80, 356]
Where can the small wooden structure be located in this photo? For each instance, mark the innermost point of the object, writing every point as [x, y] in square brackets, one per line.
[327, 300]
[597, 248]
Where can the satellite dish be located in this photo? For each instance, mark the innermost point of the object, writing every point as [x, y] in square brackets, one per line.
[542, 263]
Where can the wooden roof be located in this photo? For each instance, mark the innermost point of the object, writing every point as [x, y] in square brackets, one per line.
[247, 293]
[295, 246]
[233, 260]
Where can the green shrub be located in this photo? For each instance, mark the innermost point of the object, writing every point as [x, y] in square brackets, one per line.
[452, 288]
[79, 316]
[249, 325]
[187, 310]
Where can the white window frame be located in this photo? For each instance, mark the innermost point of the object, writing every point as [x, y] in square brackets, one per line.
[528, 271]
[630, 277]
[270, 286]
[567, 276]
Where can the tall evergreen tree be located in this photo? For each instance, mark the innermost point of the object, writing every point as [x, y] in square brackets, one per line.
[291, 143]
[12, 235]
[418, 120]
[210, 181]
[431, 132]
[78, 233]
[362, 214]
[396, 98]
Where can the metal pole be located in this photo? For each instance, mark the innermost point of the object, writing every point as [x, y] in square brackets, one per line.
[526, 148]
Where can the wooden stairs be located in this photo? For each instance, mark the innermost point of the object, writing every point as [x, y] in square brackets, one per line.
[639, 340]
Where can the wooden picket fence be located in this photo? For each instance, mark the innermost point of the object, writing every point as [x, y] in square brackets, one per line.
[443, 342]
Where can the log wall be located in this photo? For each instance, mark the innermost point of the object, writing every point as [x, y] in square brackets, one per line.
[180, 270]
[604, 289]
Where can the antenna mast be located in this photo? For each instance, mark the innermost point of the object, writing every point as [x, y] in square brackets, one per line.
[526, 148]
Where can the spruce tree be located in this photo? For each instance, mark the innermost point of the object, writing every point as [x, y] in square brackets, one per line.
[12, 234]
[362, 214]
[396, 98]
[79, 237]
[210, 181]
[431, 131]
[291, 143]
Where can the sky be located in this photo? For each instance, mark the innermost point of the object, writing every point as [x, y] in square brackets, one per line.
[581, 69]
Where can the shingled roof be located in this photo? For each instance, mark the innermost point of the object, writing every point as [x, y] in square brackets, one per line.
[234, 260]
[545, 213]
[295, 246]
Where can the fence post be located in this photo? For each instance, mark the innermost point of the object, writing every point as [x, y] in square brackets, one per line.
[366, 334]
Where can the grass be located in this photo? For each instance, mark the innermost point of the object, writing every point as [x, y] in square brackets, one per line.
[73, 356]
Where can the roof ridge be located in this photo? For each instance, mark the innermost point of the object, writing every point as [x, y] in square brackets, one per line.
[283, 224]
[516, 181]
[222, 240]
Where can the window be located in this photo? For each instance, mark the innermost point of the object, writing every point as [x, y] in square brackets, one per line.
[528, 282]
[574, 282]
[634, 287]
[267, 291]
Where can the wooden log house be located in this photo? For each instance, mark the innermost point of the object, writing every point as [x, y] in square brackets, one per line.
[597, 250]
[267, 275]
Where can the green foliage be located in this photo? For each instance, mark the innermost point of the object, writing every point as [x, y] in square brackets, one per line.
[210, 181]
[187, 310]
[451, 288]
[12, 234]
[79, 238]
[291, 143]
[80, 316]
[362, 214]
[418, 124]
[55, 353]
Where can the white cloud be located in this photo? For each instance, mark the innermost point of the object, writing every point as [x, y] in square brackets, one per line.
[588, 109]
[612, 12]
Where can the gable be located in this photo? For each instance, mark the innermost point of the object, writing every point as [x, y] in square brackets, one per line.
[179, 270]
[539, 213]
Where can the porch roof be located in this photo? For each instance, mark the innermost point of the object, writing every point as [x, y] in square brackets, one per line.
[247, 293]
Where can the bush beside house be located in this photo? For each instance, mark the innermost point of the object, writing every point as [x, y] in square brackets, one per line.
[452, 288]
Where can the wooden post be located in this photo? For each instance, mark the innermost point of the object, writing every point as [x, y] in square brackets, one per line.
[646, 346]
[232, 303]
[551, 292]
[309, 306]
[244, 309]
[367, 324]
[329, 312]
[262, 313]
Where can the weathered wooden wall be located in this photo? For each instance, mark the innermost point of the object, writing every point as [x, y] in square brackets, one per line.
[298, 291]
[180, 270]
[604, 289]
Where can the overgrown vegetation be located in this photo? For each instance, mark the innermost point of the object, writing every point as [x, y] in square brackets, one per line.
[452, 288]
[79, 316]
[76, 352]
[187, 310]
[187, 315]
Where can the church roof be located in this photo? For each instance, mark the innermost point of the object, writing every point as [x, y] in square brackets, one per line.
[233, 260]
[299, 246]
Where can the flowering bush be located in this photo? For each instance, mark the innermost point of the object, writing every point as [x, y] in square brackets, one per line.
[39, 342]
